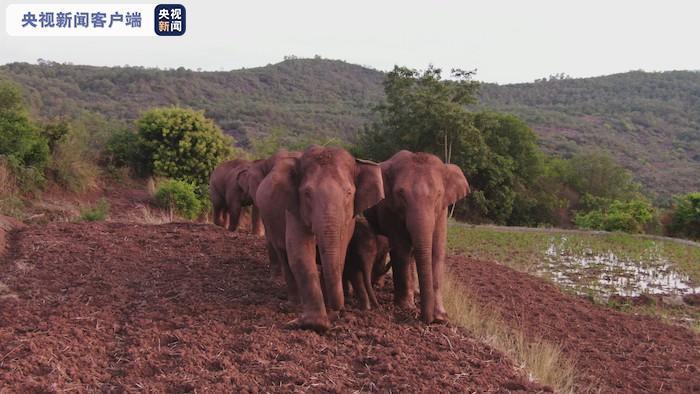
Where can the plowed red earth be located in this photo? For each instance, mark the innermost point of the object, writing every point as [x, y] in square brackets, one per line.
[185, 307]
[612, 351]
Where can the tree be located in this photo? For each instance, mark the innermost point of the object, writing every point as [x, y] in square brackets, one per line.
[685, 219]
[182, 144]
[421, 113]
[599, 175]
[497, 152]
[20, 140]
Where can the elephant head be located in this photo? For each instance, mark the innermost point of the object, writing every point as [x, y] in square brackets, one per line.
[330, 188]
[419, 187]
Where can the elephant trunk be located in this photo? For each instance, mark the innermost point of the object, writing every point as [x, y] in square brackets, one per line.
[330, 236]
[421, 226]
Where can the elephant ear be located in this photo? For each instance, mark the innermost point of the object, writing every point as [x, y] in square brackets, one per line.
[292, 178]
[255, 176]
[456, 185]
[369, 187]
[242, 179]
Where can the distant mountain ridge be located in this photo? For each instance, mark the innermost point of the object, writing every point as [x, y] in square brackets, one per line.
[649, 121]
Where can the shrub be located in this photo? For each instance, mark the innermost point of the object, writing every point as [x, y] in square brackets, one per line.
[685, 217]
[97, 212]
[179, 197]
[20, 140]
[24, 152]
[124, 149]
[73, 165]
[628, 216]
[182, 144]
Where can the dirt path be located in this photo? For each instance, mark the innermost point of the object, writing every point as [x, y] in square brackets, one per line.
[613, 352]
[185, 307]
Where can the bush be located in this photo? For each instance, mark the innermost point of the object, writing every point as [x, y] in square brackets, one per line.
[124, 149]
[20, 140]
[95, 213]
[182, 144]
[179, 197]
[685, 217]
[628, 216]
[73, 163]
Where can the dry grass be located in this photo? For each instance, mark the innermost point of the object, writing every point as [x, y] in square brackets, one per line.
[10, 202]
[148, 215]
[543, 361]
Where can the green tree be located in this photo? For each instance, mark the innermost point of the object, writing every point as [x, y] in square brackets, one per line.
[685, 219]
[20, 141]
[182, 144]
[422, 112]
[599, 175]
[497, 152]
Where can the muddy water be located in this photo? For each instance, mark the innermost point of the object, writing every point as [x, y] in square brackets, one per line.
[603, 274]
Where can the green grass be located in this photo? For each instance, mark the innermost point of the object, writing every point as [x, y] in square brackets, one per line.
[97, 212]
[524, 251]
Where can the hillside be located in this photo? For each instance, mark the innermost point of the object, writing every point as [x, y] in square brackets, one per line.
[649, 121]
[305, 97]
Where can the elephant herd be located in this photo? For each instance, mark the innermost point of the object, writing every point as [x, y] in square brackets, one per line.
[324, 206]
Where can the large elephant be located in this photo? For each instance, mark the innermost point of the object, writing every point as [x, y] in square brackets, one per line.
[309, 202]
[273, 210]
[418, 188]
[229, 192]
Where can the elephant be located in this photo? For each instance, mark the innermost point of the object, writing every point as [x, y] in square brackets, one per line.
[229, 193]
[418, 187]
[258, 170]
[365, 263]
[311, 201]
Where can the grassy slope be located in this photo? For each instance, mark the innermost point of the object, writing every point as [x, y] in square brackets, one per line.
[649, 121]
[525, 251]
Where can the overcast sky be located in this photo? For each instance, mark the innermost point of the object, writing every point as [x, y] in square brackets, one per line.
[506, 41]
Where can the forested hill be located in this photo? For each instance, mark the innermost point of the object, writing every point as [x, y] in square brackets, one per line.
[302, 96]
[649, 121]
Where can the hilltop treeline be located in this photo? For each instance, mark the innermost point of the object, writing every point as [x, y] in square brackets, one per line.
[649, 122]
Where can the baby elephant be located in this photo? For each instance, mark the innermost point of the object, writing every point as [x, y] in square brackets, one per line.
[365, 263]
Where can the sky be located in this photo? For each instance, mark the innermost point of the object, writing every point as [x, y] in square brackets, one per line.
[506, 41]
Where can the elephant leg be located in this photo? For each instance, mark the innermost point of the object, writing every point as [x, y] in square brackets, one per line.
[218, 216]
[256, 223]
[234, 215]
[369, 290]
[360, 290]
[292, 289]
[275, 261]
[401, 270]
[301, 252]
[439, 245]
[346, 285]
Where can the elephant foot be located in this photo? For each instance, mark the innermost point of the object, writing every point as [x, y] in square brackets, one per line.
[318, 323]
[405, 302]
[441, 318]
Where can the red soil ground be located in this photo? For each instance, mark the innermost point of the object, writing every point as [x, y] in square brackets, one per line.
[612, 351]
[183, 307]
